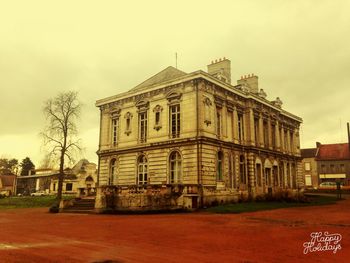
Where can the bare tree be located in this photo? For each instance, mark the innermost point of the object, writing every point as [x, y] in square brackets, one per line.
[60, 135]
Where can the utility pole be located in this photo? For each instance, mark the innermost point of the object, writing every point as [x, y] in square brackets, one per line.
[348, 136]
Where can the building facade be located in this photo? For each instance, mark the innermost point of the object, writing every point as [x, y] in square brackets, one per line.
[182, 140]
[327, 163]
[80, 180]
[7, 185]
[309, 167]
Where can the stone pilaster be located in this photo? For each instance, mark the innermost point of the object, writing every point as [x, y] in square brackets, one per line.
[235, 125]
[261, 131]
[251, 175]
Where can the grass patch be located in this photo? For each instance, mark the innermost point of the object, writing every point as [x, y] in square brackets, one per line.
[258, 206]
[29, 201]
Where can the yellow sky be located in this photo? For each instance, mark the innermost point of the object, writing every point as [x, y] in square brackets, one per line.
[299, 50]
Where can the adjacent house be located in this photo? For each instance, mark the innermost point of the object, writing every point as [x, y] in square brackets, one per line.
[333, 162]
[310, 167]
[326, 163]
[187, 140]
[80, 180]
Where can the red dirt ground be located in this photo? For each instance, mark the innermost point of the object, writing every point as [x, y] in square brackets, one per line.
[34, 235]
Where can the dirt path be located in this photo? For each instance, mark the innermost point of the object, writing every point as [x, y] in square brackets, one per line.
[33, 235]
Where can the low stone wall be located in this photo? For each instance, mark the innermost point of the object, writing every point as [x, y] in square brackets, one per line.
[139, 198]
[213, 196]
[160, 197]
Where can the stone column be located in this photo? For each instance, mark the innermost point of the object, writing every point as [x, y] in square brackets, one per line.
[251, 176]
[250, 125]
[261, 131]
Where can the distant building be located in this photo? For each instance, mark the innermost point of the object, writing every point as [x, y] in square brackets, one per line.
[309, 167]
[326, 163]
[81, 179]
[7, 184]
[187, 140]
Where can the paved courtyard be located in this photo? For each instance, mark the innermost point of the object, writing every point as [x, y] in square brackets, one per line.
[34, 235]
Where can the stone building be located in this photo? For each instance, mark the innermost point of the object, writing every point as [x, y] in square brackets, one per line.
[187, 140]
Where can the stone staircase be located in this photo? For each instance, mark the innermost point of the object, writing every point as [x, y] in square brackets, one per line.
[83, 205]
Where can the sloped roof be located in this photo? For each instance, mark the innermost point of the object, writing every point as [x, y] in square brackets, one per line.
[79, 166]
[165, 75]
[308, 153]
[339, 151]
[7, 180]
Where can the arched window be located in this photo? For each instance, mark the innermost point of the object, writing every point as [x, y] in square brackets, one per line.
[175, 167]
[112, 171]
[142, 170]
[219, 166]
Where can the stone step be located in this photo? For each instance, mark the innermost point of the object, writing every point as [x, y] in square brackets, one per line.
[78, 211]
[81, 206]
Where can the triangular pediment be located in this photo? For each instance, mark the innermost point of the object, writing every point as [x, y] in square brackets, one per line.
[165, 75]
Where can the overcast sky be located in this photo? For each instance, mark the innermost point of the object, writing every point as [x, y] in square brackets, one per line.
[299, 49]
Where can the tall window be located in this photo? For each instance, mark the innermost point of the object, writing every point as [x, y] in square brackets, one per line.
[291, 142]
[307, 166]
[142, 170]
[266, 134]
[175, 167]
[242, 171]
[112, 172]
[143, 126]
[256, 131]
[273, 135]
[240, 127]
[218, 122]
[285, 141]
[258, 174]
[342, 168]
[114, 131]
[280, 135]
[219, 167]
[294, 176]
[174, 121]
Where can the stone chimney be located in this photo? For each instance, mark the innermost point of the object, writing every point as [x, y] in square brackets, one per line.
[251, 81]
[221, 69]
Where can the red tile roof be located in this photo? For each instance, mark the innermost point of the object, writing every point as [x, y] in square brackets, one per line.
[339, 151]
